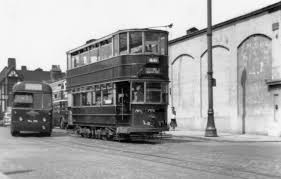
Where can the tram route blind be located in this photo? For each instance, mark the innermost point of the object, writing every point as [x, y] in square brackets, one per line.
[29, 86]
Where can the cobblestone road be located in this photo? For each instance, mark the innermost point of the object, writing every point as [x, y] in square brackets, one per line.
[68, 156]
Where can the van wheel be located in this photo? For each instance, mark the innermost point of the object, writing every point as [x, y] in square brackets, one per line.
[14, 133]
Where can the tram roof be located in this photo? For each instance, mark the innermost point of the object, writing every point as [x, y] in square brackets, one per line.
[110, 35]
[33, 86]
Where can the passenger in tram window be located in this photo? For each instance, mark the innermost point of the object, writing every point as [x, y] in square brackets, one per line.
[98, 100]
[138, 93]
[148, 48]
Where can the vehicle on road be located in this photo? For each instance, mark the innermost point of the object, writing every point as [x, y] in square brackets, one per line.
[118, 85]
[32, 108]
[60, 111]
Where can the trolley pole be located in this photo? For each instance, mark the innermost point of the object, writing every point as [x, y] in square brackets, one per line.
[211, 130]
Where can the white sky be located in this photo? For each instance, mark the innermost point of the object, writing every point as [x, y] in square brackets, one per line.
[39, 32]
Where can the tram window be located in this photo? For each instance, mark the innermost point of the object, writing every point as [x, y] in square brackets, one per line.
[81, 61]
[152, 42]
[98, 95]
[75, 60]
[89, 98]
[123, 43]
[93, 98]
[115, 45]
[106, 49]
[138, 92]
[93, 55]
[107, 93]
[72, 62]
[85, 61]
[165, 91]
[84, 99]
[76, 99]
[153, 92]
[135, 42]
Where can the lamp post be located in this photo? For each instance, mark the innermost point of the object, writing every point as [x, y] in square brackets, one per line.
[211, 130]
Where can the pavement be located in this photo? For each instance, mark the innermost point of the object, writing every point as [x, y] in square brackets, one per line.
[223, 137]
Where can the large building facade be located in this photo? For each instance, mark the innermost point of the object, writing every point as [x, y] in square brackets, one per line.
[247, 69]
[11, 75]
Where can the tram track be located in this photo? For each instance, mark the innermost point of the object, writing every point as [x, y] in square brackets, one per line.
[167, 159]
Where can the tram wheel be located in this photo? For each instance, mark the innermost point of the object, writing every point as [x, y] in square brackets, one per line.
[48, 134]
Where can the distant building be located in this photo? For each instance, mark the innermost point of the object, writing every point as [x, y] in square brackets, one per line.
[247, 69]
[11, 75]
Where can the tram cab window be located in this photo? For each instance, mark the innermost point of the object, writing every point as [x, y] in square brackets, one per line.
[156, 43]
[151, 42]
[123, 47]
[135, 42]
[163, 44]
[138, 92]
[153, 92]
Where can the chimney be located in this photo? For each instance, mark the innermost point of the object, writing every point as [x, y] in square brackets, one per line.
[11, 62]
[23, 68]
[38, 69]
[191, 30]
[55, 73]
[90, 41]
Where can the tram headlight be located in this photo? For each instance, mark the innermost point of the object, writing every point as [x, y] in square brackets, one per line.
[44, 119]
[20, 119]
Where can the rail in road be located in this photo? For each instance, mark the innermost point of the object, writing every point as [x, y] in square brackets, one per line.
[94, 145]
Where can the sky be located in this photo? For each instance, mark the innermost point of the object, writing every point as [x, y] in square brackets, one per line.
[39, 32]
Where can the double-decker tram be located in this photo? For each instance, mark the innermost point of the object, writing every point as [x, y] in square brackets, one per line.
[32, 108]
[118, 85]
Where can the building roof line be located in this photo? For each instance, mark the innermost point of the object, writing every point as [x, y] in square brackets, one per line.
[267, 9]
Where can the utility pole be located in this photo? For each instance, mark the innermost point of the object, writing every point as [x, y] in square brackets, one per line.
[211, 130]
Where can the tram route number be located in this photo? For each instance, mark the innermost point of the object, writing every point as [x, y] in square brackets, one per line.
[34, 121]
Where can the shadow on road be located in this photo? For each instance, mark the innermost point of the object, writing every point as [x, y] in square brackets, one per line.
[55, 133]
[17, 172]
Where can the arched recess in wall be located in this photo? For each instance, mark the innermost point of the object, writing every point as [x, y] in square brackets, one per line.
[185, 80]
[221, 72]
[254, 60]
